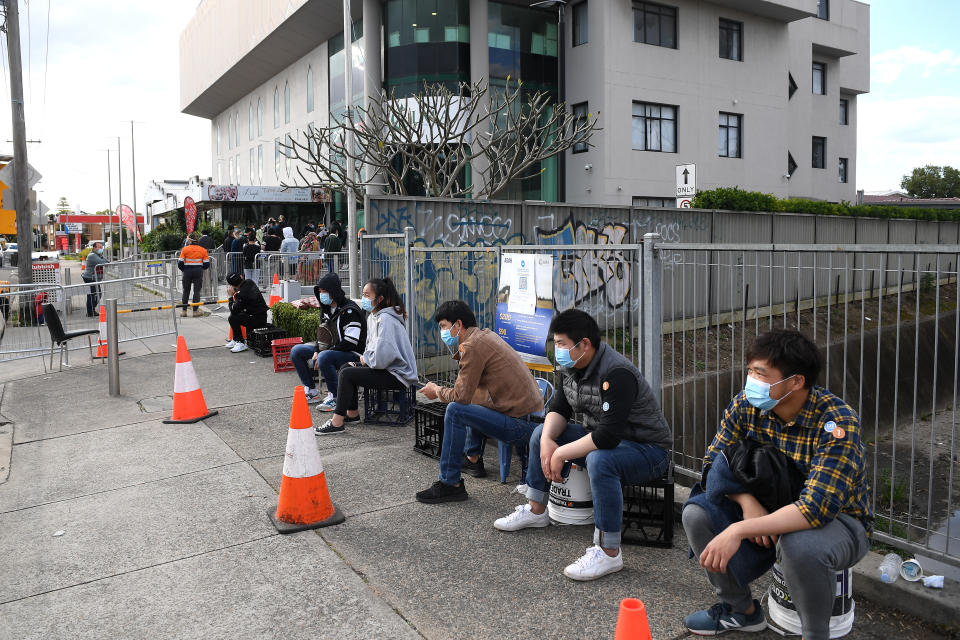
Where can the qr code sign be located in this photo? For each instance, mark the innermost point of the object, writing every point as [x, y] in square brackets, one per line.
[523, 282]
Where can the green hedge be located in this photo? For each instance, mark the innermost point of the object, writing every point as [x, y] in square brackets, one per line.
[736, 199]
[297, 322]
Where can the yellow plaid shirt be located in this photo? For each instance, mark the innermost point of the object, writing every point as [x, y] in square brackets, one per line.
[824, 441]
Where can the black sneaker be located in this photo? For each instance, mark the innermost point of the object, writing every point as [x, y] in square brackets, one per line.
[474, 468]
[327, 428]
[441, 492]
[355, 418]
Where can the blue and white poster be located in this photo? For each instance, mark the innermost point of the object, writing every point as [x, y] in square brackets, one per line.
[525, 306]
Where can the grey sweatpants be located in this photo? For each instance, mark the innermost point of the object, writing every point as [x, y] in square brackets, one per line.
[809, 560]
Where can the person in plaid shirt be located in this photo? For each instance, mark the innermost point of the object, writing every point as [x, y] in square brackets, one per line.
[825, 529]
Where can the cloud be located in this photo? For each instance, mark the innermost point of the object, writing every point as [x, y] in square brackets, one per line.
[887, 67]
[896, 135]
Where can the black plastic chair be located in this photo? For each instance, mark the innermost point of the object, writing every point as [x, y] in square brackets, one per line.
[59, 337]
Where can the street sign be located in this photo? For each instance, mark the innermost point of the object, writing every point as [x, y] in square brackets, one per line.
[684, 203]
[6, 175]
[74, 227]
[686, 180]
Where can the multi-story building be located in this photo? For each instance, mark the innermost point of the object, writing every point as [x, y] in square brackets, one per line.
[761, 94]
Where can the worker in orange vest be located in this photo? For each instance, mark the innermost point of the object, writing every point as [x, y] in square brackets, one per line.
[194, 260]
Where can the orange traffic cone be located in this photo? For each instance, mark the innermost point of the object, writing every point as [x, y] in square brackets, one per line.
[188, 403]
[632, 621]
[304, 498]
[243, 330]
[102, 340]
[275, 291]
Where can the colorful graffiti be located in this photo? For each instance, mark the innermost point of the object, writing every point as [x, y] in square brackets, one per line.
[460, 223]
[581, 275]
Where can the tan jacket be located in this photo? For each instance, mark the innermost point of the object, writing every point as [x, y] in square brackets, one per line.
[492, 375]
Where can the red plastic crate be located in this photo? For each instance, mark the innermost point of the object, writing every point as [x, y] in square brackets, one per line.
[281, 353]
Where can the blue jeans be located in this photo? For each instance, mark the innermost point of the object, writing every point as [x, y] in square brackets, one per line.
[300, 355]
[628, 463]
[464, 428]
[329, 363]
[93, 297]
[252, 274]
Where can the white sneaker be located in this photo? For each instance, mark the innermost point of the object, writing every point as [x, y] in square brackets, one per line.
[521, 518]
[314, 397]
[231, 344]
[240, 347]
[329, 403]
[594, 564]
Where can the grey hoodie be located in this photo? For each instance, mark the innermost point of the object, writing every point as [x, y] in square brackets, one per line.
[289, 244]
[388, 346]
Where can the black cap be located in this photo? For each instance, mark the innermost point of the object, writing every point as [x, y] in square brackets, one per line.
[234, 279]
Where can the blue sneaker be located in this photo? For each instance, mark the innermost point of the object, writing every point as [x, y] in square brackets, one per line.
[720, 618]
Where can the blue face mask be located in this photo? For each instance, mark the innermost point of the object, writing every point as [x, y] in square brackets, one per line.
[325, 299]
[758, 393]
[366, 304]
[562, 356]
[99, 252]
[449, 339]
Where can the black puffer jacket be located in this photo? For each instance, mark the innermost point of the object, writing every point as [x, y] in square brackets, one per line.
[248, 299]
[347, 321]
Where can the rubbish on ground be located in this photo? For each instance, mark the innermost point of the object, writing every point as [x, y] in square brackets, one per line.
[934, 582]
[57, 534]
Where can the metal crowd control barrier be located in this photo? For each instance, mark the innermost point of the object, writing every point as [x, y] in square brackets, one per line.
[885, 318]
[387, 255]
[145, 306]
[306, 267]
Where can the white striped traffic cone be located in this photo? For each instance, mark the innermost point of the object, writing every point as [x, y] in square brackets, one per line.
[304, 501]
[102, 340]
[275, 291]
[188, 402]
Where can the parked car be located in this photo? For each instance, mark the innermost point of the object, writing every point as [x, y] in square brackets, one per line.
[8, 252]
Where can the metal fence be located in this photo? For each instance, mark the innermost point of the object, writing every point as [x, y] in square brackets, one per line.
[139, 302]
[210, 288]
[885, 319]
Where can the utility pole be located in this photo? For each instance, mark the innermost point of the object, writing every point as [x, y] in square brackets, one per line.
[354, 290]
[119, 198]
[133, 160]
[110, 201]
[21, 195]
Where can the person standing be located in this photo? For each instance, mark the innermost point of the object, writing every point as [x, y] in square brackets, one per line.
[194, 260]
[250, 251]
[331, 245]
[205, 241]
[289, 245]
[92, 274]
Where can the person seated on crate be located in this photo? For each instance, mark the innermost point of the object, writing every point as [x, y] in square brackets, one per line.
[194, 260]
[493, 396]
[624, 439]
[812, 527]
[247, 309]
[348, 330]
[388, 362]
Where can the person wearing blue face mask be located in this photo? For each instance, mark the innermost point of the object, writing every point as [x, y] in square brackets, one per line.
[388, 362]
[493, 396]
[624, 439]
[92, 274]
[822, 531]
[347, 324]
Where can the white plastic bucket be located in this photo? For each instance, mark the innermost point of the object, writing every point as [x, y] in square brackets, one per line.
[571, 501]
[784, 614]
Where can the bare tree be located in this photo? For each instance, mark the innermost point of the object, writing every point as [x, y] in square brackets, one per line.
[433, 136]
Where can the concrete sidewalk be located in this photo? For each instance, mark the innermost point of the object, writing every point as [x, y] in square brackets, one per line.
[114, 525]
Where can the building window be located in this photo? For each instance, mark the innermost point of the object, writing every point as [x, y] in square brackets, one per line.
[288, 153]
[844, 111]
[276, 157]
[237, 159]
[581, 31]
[309, 89]
[312, 141]
[230, 170]
[731, 125]
[654, 127]
[655, 24]
[286, 103]
[823, 9]
[819, 152]
[820, 78]
[236, 129]
[229, 132]
[259, 164]
[791, 85]
[791, 165]
[731, 39]
[218, 138]
[581, 113]
[843, 170]
[648, 201]
[250, 120]
[276, 107]
[253, 165]
[259, 118]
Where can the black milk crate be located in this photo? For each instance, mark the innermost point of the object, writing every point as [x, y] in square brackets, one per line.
[392, 407]
[648, 513]
[261, 339]
[428, 425]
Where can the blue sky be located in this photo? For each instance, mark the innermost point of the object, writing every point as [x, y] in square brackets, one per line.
[911, 117]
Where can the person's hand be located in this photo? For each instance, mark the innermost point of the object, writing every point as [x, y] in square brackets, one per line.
[717, 554]
[556, 466]
[362, 362]
[547, 447]
[430, 390]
